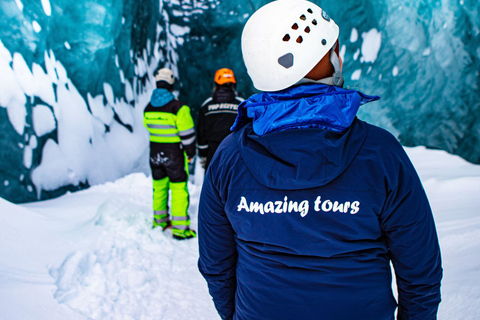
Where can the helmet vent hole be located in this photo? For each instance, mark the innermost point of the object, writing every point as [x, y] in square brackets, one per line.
[295, 26]
[307, 30]
[302, 17]
[309, 10]
[299, 39]
[286, 37]
[314, 22]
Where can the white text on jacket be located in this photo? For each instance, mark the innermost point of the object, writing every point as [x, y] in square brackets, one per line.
[302, 207]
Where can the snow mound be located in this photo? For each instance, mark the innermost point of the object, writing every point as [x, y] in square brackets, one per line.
[133, 271]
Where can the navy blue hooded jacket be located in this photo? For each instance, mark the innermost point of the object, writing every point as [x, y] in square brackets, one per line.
[304, 207]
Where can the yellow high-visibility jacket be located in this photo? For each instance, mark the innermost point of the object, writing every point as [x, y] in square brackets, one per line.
[171, 123]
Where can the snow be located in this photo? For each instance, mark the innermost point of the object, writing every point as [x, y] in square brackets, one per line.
[84, 149]
[99, 110]
[43, 120]
[356, 54]
[107, 88]
[19, 4]
[354, 35]
[28, 152]
[13, 98]
[42, 85]
[16, 115]
[356, 74]
[46, 7]
[93, 255]
[36, 26]
[55, 169]
[372, 41]
[23, 74]
[395, 71]
[27, 156]
[179, 31]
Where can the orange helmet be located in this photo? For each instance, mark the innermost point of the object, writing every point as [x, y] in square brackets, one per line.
[223, 76]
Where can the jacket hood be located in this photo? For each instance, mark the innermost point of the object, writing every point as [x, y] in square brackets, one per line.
[161, 97]
[301, 137]
[224, 94]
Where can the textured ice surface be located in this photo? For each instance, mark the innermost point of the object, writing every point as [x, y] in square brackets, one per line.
[76, 76]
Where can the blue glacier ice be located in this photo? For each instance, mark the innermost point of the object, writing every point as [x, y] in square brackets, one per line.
[76, 75]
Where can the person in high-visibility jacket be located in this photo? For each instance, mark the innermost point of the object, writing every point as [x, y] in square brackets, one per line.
[172, 147]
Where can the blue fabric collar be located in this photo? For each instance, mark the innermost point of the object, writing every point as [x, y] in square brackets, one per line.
[161, 97]
[304, 106]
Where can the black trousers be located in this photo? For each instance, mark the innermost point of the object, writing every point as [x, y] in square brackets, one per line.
[168, 160]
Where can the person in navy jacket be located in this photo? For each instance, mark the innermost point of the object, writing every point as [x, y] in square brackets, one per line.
[304, 207]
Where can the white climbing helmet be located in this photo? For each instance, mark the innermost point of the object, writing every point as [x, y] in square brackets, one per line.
[284, 40]
[166, 75]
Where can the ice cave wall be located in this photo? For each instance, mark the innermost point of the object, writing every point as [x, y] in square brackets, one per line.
[76, 76]
[422, 57]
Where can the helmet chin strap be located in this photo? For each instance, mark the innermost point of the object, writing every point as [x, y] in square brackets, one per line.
[336, 79]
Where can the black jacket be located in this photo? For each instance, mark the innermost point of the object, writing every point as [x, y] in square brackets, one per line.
[216, 117]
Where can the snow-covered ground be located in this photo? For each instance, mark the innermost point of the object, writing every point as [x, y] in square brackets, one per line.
[93, 255]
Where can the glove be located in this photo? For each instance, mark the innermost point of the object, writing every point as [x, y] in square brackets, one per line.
[203, 162]
[191, 165]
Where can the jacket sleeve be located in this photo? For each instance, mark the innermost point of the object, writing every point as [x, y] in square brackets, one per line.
[409, 227]
[201, 134]
[218, 254]
[186, 130]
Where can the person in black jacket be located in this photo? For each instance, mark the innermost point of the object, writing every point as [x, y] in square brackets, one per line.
[217, 115]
